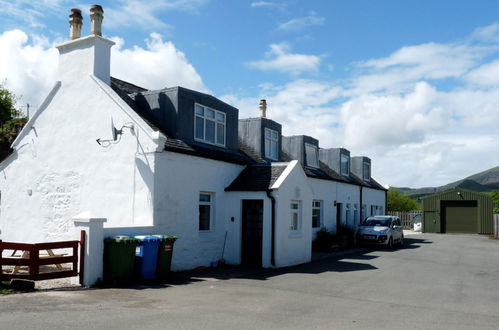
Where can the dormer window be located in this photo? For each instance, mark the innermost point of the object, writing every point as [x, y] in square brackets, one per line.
[366, 171]
[209, 125]
[271, 144]
[345, 165]
[311, 155]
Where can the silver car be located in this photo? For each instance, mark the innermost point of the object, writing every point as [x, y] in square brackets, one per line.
[381, 229]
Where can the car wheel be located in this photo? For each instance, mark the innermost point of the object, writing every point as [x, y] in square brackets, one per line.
[390, 243]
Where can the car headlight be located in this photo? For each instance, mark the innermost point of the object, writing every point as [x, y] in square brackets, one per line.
[384, 231]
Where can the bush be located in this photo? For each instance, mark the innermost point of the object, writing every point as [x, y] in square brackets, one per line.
[324, 240]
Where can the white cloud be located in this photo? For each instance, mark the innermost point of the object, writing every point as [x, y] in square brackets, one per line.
[299, 23]
[267, 4]
[487, 74]
[158, 65]
[144, 14]
[30, 65]
[429, 61]
[489, 33]
[279, 58]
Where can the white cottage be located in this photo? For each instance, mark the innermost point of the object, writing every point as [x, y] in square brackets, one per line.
[117, 159]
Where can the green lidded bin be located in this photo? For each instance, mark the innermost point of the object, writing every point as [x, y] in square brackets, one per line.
[165, 255]
[119, 259]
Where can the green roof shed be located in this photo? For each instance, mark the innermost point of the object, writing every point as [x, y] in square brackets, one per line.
[458, 211]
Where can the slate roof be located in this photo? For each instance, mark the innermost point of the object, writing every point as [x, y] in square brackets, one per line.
[257, 177]
[124, 89]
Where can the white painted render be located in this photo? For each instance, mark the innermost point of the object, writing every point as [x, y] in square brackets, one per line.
[292, 247]
[58, 170]
[179, 180]
[374, 197]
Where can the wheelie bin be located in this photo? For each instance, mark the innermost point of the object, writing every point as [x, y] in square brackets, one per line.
[165, 255]
[146, 256]
[119, 259]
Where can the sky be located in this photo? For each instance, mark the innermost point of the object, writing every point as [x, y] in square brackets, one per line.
[413, 84]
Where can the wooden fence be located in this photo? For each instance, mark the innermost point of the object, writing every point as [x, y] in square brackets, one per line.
[496, 225]
[28, 256]
[408, 218]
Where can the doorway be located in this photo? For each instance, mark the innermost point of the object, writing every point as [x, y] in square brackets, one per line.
[252, 232]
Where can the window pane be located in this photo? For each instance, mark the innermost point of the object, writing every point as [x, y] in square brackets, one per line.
[294, 206]
[220, 133]
[210, 131]
[268, 153]
[267, 133]
[204, 217]
[199, 110]
[344, 165]
[273, 149]
[294, 221]
[204, 197]
[311, 154]
[220, 117]
[274, 135]
[199, 128]
[210, 113]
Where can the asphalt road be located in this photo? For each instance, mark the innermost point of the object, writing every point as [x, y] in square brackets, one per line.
[435, 282]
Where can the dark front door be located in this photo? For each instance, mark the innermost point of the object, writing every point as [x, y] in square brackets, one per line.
[459, 217]
[252, 232]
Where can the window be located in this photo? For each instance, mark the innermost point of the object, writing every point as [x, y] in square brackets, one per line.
[366, 171]
[311, 155]
[295, 216]
[345, 165]
[316, 214]
[209, 125]
[205, 211]
[271, 144]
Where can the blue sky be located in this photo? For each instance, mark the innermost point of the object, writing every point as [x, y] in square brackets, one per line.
[412, 84]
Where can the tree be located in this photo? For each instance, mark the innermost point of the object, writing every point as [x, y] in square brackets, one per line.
[11, 120]
[400, 202]
[495, 197]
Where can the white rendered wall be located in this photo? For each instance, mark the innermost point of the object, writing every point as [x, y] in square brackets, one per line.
[293, 248]
[372, 197]
[330, 191]
[179, 180]
[58, 170]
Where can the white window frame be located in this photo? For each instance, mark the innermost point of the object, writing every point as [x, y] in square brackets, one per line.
[271, 140]
[366, 176]
[308, 145]
[211, 204]
[214, 120]
[317, 205]
[295, 227]
[342, 157]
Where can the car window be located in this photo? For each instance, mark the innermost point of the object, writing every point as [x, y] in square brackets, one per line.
[377, 222]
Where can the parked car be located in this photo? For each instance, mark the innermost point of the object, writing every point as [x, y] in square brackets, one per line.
[384, 230]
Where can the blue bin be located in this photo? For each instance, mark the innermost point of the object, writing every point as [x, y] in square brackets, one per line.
[146, 256]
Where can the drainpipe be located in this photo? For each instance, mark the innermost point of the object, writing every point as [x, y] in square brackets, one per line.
[272, 247]
[361, 218]
[386, 201]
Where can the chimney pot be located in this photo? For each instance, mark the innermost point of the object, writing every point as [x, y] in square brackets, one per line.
[263, 108]
[75, 23]
[96, 16]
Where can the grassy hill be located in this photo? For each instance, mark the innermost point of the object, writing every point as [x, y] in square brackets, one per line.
[481, 182]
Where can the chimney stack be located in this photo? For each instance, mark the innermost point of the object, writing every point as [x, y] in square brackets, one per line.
[75, 23]
[96, 16]
[263, 108]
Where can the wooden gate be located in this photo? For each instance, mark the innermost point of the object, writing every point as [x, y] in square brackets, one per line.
[30, 262]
